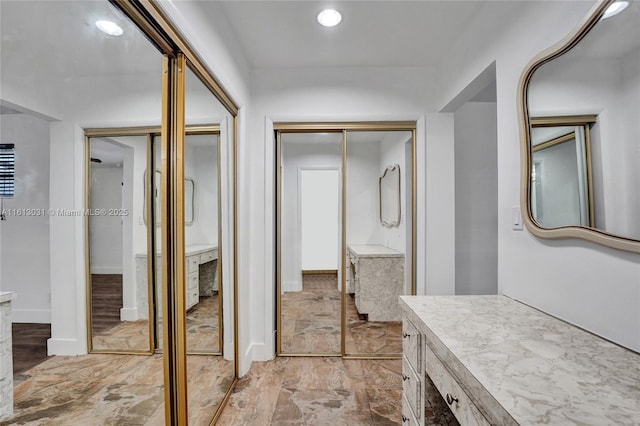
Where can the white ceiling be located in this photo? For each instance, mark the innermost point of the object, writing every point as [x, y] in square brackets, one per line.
[285, 34]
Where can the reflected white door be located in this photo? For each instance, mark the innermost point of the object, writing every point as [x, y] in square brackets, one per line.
[320, 219]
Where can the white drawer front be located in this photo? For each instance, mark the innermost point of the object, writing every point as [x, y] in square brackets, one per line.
[207, 257]
[192, 281]
[459, 403]
[192, 264]
[408, 418]
[411, 347]
[411, 386]
[192, 298]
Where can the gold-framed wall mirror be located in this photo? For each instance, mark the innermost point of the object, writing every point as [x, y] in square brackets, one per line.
[579, 104]
[340, 266]
[154, 213]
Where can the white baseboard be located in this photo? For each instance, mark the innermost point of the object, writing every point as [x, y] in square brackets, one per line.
[32, 316]
[100, 270]
[129, 314]
[291, 286]
[59, 346]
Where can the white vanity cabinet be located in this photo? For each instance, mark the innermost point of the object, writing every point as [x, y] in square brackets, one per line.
[195, 255]
[412, 375]
[496, 361]
[376, 275]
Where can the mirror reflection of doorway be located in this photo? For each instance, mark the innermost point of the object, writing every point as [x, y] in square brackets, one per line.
[311, 243]
[119, 307]
[341, 266]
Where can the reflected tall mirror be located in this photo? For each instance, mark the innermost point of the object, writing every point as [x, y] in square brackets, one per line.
[119, 268]
[580, 103]
[96, 125]
[207, 230]
[340, 267]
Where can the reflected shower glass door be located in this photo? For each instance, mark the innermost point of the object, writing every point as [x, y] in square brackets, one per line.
[310, 239]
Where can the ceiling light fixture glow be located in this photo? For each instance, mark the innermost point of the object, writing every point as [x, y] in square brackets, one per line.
[329, 18]
[109, 27]
[615, 8]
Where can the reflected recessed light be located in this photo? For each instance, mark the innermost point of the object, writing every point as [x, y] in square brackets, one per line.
[109, 27]
[329, 18]
[615, 8]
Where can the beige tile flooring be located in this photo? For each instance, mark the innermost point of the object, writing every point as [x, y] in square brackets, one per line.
[311, 321]
[317, 391]
[101, 389]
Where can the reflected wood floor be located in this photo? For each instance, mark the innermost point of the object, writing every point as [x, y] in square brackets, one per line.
[106, 301]
[102, 389]
[29, 346]
[311, 322]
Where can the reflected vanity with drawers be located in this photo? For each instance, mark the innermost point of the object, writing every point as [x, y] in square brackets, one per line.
[201, 279]
[495, 361]
[375, 273]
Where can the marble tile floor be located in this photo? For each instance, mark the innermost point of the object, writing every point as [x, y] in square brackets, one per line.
[311, 322]
[202, 331]
[101, 389]
[317, 391]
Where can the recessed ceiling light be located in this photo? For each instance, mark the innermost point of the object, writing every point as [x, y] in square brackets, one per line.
[329, 18]
[109, 27]
[615, 8]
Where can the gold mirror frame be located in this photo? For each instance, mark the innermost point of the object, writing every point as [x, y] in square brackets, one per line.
[152, 20]
[553, 52]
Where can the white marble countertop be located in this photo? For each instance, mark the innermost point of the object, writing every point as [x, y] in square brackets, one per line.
[6, 296]
[528, 367]
[190, 249]
[373, 250]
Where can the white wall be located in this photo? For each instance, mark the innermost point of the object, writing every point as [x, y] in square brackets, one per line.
[392, 151]
[592, 286]
[25, 239]
[106, 231]
[363, 218]
[476, 181]
[201, 166]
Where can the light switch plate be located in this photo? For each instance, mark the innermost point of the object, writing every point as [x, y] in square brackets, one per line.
[516, 218]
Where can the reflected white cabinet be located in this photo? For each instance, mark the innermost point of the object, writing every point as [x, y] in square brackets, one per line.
[375, 274]
[198, 281]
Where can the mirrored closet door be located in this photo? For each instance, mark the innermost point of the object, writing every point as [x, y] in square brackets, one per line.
[345, 237]
[120, 273]
[379, 239]
[310, 241]
[207, 230]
